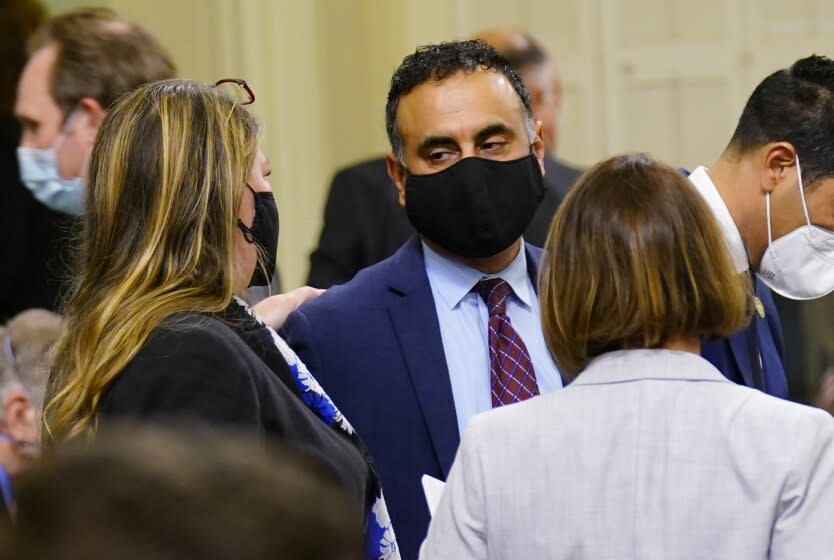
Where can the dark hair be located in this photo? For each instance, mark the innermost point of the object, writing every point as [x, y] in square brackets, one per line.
[101, 56]
[438, 62]
[170, 495]
[18, 21]
[634, 259]
[794, 105]
[532, 54]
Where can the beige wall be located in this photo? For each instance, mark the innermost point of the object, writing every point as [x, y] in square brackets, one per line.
[664, 76]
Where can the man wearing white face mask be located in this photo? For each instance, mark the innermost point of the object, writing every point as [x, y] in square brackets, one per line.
[79, 63]
[777, 215]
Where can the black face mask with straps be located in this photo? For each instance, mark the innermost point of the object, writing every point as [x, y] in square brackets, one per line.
[477, 207]
[263, 234]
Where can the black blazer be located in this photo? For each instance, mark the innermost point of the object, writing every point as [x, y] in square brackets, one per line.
[34, 240]
[199, 368]
[364, 224]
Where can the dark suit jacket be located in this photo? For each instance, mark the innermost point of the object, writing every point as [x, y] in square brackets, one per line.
[375, 345]
[732, 355]
[364, 223]
[198, 369]
[34, 240]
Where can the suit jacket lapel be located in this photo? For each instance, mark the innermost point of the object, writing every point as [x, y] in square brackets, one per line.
[741, 352]
[534, 255]
[412, 311]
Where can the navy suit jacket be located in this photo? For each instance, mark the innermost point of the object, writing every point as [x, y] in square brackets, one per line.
[732, 355]
[375, 346]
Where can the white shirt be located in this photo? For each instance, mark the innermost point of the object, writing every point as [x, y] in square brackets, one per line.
[700, 178]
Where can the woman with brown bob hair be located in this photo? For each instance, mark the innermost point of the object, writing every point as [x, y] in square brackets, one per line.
[650, 452]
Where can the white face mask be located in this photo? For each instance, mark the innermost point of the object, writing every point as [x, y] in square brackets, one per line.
[799, 265]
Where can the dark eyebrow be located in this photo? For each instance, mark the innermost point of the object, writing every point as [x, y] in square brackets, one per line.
[26, 122]
[493, 129]
[434, 142]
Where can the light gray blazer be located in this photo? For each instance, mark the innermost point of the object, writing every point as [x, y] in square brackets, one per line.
[648, 454]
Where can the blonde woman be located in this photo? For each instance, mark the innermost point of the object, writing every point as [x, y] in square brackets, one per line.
[178, 210]
[650, 452]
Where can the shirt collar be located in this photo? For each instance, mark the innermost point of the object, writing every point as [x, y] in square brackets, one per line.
[701, 179]
[453, 280]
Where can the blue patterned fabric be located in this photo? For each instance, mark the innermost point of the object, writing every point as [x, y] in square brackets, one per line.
[380, 541]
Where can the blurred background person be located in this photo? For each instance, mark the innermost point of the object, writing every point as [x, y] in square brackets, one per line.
[27, 227]
[80, 62]
[25, 359]
[364, 224]
[136, 495]
[650, 451]
[180, 220]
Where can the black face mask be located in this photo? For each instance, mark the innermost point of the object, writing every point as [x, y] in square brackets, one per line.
[477, 207]
[263, 233]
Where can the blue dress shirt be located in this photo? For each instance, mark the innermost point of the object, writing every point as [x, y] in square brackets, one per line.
[464, 322]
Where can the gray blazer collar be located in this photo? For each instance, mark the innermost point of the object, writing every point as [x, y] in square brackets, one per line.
[633, 365]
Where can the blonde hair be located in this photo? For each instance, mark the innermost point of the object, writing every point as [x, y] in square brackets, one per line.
[634, 259]
[166, 177]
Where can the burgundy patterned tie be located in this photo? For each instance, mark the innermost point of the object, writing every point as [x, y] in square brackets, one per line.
[513, 377]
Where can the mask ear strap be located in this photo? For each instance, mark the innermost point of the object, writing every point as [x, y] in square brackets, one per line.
[802, 191]
[769, 232]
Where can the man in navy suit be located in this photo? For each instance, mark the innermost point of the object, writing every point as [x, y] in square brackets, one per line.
[772, 191]
[448, 326]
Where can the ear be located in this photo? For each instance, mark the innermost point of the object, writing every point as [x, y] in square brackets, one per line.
[90, 119]
[778, 163]
[397, 174]
[18, 416]
[538, 146]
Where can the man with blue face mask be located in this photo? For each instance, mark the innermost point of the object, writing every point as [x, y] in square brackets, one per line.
[79, 63]
[772, 191]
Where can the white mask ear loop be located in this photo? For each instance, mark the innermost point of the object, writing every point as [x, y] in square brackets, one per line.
[767, 209]
[801, 191]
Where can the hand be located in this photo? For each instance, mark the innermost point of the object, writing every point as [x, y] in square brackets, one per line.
[274, 310]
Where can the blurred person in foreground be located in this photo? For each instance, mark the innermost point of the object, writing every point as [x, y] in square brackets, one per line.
[182, 495]
[180, 220]
[25, 345]
[364, 224]
[650, 452]
[79, 63]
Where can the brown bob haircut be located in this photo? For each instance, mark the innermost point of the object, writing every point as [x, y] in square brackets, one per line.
[100, 56]
[635, 259]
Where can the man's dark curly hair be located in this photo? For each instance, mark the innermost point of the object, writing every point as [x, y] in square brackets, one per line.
[794, 105]
[438, 62]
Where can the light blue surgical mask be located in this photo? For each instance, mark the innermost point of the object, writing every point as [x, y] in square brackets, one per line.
[39, 172]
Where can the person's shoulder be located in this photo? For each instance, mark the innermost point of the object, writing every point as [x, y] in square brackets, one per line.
[184, 330]
[560, 169]
[373, 171]
[186, 344]
[770, 409]
[366, 288]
